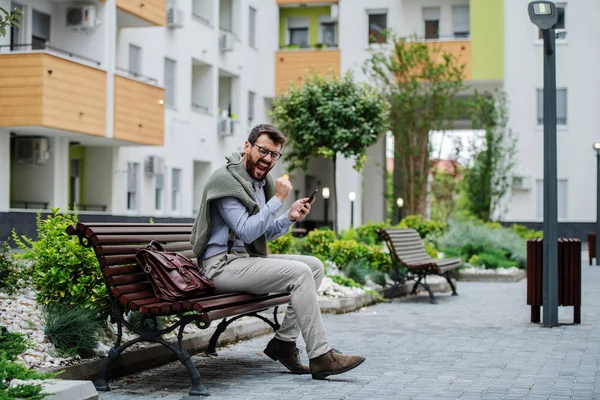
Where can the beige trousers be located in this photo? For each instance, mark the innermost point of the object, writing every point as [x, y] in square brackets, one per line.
[299, 275]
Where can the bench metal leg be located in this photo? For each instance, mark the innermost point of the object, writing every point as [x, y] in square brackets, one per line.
[113, 355]
[432, 299]
[198, 389]
[449, 279]
[417, 282]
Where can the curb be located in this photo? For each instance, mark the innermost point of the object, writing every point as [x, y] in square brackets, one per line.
[154, 355]
[514, 277]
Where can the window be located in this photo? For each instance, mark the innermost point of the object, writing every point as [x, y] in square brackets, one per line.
[377, 27]
[560, 23]
[158, 191]
[327, 31]
[132, 185]
[170, 66]
[298, 31]
[460, 21]
[561, 192]
[251, 99]
[40, 30]
[176, 192]
[431, 17]
[135, 60]
[252, 28]
[561, 106]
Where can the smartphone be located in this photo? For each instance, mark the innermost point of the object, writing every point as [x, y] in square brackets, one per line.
[312, 196]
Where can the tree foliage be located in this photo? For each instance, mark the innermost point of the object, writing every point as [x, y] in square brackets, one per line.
[487, 179]
[9, 18]
[329, 116]
[421, 81]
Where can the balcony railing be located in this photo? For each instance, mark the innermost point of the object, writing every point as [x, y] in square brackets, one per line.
[137, 76]
[14, 48]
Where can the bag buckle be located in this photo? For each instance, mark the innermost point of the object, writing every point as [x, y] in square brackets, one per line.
[147, 269]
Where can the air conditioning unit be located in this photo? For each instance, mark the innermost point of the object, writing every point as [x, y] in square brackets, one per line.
[154, 165]
[226, 126]
[226, 41]
[174, 17]
[31, 150]
[520, 182]
[81, 17]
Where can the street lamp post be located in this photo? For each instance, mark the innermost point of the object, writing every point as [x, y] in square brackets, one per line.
[400, 204]
[543, 14]
[597, 148]
[326, 194]
[352, 197]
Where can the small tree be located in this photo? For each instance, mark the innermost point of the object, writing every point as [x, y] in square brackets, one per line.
[444, 188]
[422, 82]
[8, 19]
[488, 177]
[330, 116]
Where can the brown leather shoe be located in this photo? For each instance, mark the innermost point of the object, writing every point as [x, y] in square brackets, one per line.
[332, 363]
[287, 354]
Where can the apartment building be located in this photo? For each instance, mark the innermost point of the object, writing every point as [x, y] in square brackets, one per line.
[125, 107]
[577, 99]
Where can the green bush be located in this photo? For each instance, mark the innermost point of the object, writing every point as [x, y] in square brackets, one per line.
[9, 272]
[427, 229]
[345, 281]
[281, 245]
[11, 345]
[318, 242]
[357, 271]
[72, 330]
[466, 239]
[526, 233]
[433, 253]
[64, 272]
[344, 252]
[378, 277]
[140, 321]
[492, 260]
[378, 259]
[367, 233]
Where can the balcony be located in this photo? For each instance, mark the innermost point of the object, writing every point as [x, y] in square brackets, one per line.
[142, 12]
[139, 112]
[38, 89]
[459, 48]
[291, 66]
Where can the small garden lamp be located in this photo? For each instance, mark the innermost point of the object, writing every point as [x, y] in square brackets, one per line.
[352, 197]
[597, 148]
[326, 194]
[400, 204]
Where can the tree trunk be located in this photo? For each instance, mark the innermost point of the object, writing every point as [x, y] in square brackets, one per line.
[335, 198]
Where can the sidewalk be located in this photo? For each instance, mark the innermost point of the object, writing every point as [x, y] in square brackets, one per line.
[479, 345]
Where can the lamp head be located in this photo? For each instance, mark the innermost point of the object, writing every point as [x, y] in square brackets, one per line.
[325, 192]
[352, 196]
[543, 14]
[400, 202]
[597, 146]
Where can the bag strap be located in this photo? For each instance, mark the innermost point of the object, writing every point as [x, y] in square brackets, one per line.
[154, 243]
[230, 240]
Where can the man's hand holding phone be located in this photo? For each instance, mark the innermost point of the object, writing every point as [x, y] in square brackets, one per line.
[301, 208]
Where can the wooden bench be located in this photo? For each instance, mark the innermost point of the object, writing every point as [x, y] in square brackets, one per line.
[128, 289]
[407, 250]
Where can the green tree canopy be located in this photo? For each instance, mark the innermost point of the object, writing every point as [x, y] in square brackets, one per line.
[9, 18]
[329, 116]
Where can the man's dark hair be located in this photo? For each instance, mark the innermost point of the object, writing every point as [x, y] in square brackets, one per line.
[263, 129]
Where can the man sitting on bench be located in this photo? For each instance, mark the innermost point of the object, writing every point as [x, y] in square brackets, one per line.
[236, 218]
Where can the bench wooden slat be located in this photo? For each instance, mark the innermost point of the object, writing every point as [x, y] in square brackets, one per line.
[127, 279]
[231, 311]
[132, 249]
[99, 240]
[138, 230]
[135, 287]
[113, 270]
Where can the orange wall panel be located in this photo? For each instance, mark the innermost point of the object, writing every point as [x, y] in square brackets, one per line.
[291, 66]
[153, 11]
[461, 49]
[285, 2]
[139, 116]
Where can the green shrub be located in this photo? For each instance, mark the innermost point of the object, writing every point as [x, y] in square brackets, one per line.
[281, 245]
[344, 252]
[357, 271]
[430, 230]
[318, 242]
[492, 260]
[378, 259]
[466, 239]
[526, 233]
[72, 330]
[433, 253]
[345, 281]
[367, 233]
[64, 272]
[378, 277]
[140, 321]
[9, 271]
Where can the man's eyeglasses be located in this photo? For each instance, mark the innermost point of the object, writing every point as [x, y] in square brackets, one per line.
[263, 151]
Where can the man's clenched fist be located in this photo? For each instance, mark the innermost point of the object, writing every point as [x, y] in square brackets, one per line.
[283, 188]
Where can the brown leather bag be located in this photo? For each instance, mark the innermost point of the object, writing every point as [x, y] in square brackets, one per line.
[172, 275]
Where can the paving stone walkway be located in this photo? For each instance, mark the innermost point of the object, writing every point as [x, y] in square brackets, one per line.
[479, 345]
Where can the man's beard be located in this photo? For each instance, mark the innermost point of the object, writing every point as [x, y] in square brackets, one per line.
[252, 169]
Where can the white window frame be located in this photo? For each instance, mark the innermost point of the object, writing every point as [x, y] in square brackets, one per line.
[130, 67]
[326, 19]
[252, 20]
[455, 7]
[296, 22]
[377, 11]
[133, 186]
